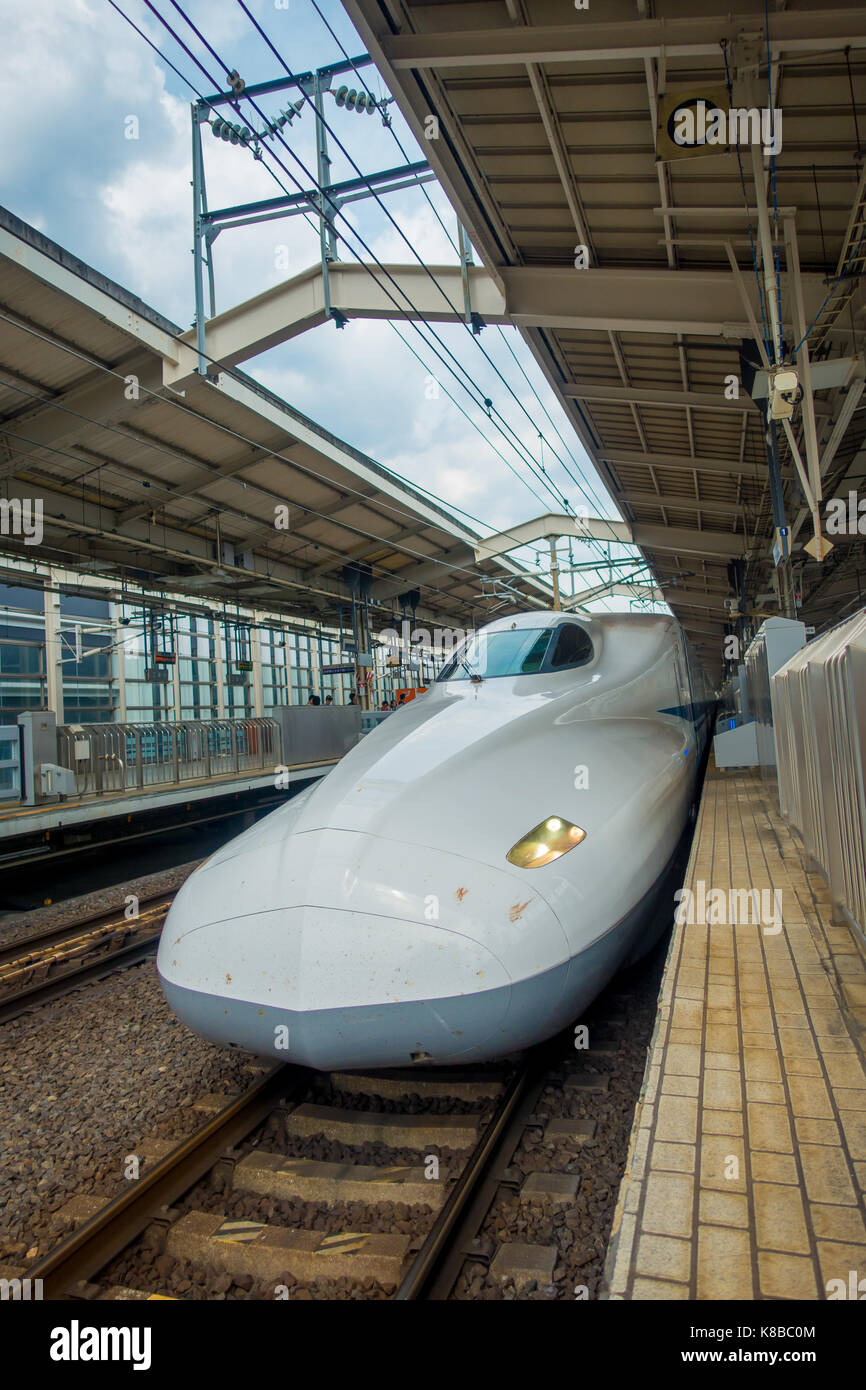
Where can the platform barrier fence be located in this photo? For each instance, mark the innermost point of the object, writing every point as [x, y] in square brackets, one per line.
[819, 718]
[135, 757]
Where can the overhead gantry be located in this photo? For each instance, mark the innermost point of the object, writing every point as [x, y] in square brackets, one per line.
[553, 138]
[596, 299]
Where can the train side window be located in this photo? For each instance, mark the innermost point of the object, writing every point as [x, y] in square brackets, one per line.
[573, 647]
[531, 664]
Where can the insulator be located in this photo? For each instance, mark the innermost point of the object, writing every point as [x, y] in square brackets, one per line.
[351, 99]
[342, 93]
[235, 134]
[371, 105]
[225, 131]
[216, 127]
[361, 103]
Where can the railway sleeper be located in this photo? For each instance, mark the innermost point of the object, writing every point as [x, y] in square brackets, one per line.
[397, 1084]
[273, 1175]
[371, 1127]
[270, 1252]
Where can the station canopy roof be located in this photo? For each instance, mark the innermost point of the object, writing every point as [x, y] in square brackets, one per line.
[544, 140]
[182, 492]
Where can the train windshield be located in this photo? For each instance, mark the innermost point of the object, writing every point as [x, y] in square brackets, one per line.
[519, 652]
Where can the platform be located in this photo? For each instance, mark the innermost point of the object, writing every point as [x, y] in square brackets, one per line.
[17, 819]
[46, 834]
[746, 1171]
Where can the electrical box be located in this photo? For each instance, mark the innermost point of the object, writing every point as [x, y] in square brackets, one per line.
[56, 780]
[38, 746]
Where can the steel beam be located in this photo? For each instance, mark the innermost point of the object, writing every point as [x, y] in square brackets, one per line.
[694, 400]
[679, 539]
[627, 458]
[640, 301]
[691, 503]
[813, 31]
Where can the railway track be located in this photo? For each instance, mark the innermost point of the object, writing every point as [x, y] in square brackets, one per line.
[47, 964]
[413, 1162]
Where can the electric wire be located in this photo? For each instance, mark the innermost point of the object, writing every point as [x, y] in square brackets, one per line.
[225, 429]
[201, 67]
[560, 497]
[399, 230]
[519, 447]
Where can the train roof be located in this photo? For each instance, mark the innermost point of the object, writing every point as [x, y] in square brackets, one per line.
[550, 617]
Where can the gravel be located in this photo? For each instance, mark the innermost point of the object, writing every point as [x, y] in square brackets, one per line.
[20, 926]
[86, 1079]
[83, 1081]
[624, 1014]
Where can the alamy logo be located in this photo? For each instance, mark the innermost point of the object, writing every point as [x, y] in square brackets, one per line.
[77, 1343]
[698, 122]
[22, 518]
[855, 1288]
[850, 520]
[718, 907]
[20, 1290]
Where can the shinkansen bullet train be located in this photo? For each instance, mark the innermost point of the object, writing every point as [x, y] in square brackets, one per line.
[471, 875]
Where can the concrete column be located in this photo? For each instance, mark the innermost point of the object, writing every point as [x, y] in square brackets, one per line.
[175, 681]
[315, 668]
[53, 653]
[287, 638]
[218, 662]
[120, 664]
[258, 683]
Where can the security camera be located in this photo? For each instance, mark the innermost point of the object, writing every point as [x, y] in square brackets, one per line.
[784, 394]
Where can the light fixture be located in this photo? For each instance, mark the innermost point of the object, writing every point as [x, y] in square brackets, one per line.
[547, 841]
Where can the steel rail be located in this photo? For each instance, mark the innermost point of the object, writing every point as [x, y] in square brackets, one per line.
[19, 951]
[98, 1241]
[22, 1001]
[436, 1266]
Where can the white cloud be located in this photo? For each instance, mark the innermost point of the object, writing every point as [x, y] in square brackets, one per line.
[78, 71]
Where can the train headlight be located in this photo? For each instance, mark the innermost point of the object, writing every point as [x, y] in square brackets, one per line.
[546, 842]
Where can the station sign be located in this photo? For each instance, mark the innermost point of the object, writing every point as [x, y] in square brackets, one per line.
[343, 670]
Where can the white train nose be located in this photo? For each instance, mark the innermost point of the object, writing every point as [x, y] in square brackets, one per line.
[335, 948]
[328, 1001]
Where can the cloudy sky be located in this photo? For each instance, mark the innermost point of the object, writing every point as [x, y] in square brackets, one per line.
[76, 72]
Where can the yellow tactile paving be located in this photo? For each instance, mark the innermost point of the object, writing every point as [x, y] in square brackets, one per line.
[746, 1175]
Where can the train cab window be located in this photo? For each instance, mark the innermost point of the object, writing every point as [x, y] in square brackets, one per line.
[573, 647]
[513, 652]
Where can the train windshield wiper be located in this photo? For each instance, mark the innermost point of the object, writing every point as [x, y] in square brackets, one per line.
[473, 675]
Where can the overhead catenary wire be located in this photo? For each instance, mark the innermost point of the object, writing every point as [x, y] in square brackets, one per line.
[310, 511]
[596, 500]
[184, 46]
[212, 360]
[396, 226]
[501, 422]
[225, 429]
[519, 447]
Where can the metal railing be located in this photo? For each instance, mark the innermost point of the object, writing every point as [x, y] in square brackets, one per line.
[819, 716]
[135, 757]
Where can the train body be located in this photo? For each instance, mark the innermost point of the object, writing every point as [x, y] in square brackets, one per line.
[472, 874]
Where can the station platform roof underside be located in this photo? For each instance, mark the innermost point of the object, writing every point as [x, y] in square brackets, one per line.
[546, 142]
[144, 480]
